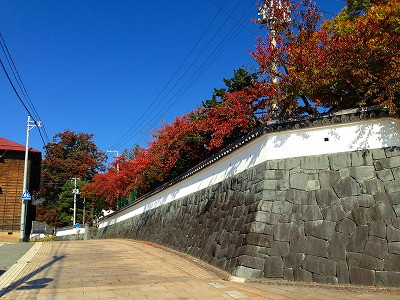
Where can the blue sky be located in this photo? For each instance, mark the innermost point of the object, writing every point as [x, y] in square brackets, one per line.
[97, 66]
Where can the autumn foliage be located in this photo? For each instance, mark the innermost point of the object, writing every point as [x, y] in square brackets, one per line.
[350, 61]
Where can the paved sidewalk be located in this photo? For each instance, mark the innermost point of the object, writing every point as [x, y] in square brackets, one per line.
[123, 269]
[10, 253]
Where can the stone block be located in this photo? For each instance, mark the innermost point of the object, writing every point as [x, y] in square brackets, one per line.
[361, 260]
[344, 172]
[334, 213]
[346, 226]
[394, 198]
[342, 272]
[392, 262]
[337, 247]
[266, 217]
[376, 247]
[396, 173]
[378, 154]
[319, 265]
[257, 239]
[361, 158]
[393, 234]
[298, 181]
[245, 272]
[269, 184]
[282, 231]
[312, 213]
[350, 203]
[373, 186]
[392, 186]
[358, 239]
[360, 276]
[394, 248]
[297, 239]
[361, 215]
[326, 197]
[293, 260]
[313, 185]
[392, 151]
[320, 229]
[325, 279]
[273, 267]
[362, 173]
[302, 275]
[339, 161]
[291, 163]
[328, 178]
[316, 246]
[251, 262]
[387, 278]
[279, 248]
[317, 162]
[378, 229]
[386, 163]
[382, 211]
[385, 175]
[347, 187]
[288, 274]
[296, 196]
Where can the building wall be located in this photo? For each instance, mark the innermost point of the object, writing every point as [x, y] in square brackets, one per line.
[11, 179]
[11, 182]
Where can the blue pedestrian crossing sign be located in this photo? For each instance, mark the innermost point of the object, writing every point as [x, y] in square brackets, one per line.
[26, 195]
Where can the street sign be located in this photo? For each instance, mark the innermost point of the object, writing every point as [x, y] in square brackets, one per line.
[77, 225]
[26, 195]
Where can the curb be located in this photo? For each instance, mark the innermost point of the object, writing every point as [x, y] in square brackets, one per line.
[12, 273]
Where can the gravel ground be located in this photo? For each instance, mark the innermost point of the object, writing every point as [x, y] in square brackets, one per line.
[10, 253]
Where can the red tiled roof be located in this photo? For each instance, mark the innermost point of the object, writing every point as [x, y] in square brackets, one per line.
[13, 146]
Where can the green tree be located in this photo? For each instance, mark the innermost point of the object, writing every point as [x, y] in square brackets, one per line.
[69, 155]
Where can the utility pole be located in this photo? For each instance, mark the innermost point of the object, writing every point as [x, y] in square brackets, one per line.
[75, 191]
[269, 18]
[30, 125]
[84, 208]
[116, 156]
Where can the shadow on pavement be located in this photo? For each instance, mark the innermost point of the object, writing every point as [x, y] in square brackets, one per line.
[34, 284]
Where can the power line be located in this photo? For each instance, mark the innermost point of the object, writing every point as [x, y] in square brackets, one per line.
[198, 73]
[169, 81]
[21, 86]
[121, 143]
[18, 96]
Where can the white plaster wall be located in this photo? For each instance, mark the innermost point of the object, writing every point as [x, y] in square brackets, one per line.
[70, 231]
[369, 134]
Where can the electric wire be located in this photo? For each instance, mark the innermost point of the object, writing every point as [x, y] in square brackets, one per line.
[179, 80]
[169, 81]
[19, 98]
[197, 74]
[21, 85]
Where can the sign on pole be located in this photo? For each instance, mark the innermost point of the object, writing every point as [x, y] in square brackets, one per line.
[26, 195]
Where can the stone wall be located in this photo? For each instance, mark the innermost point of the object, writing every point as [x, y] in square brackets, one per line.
[328, 218]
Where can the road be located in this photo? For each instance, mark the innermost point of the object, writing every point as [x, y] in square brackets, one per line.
[125, 269]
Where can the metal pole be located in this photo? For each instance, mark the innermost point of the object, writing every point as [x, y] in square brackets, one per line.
[84, 206]
[24, 185]
[117, 155]
[75, 200]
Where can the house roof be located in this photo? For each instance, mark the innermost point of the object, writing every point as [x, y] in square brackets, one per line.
[13, 146]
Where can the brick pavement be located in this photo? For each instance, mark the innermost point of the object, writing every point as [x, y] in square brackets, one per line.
[123, 269]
